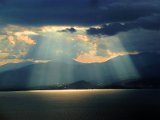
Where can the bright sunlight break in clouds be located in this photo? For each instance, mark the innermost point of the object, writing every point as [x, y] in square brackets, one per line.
[49, 43]
[72, 37]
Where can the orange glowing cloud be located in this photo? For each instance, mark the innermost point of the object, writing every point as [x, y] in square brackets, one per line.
[11, 40]
[88, 58]
[15, 34]
[115, 54]
[25, 33]
[22, 38]
[91, 57]
[8, 61]
[26, 39]
[82, 38]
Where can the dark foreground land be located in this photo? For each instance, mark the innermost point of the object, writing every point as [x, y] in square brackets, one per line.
[80, 104]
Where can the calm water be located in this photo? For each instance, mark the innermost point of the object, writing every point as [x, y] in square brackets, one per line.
[79, 104]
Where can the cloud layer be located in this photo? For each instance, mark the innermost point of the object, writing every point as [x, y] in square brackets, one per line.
[149, 23]
[83, 30]
[71, 12]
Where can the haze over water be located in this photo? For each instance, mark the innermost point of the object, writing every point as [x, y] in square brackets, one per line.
[79, 104]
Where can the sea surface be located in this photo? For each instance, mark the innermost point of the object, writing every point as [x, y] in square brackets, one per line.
[80, 104]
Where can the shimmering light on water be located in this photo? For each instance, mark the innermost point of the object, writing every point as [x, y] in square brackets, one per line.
[74, 90]
[78, 104]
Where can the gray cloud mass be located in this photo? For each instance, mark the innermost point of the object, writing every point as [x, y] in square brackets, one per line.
[75, 12]
[135, 22]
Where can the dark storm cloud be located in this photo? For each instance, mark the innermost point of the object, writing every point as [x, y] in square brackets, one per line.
[3, 1]
[108, 29]
[94, 3]
[71, 30]
[75, 12]
[149, 22]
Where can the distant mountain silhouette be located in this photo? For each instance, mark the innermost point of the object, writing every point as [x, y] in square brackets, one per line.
[12, 66]
[145, 66]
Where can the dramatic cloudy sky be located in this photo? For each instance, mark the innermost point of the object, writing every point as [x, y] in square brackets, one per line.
[82, 30]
